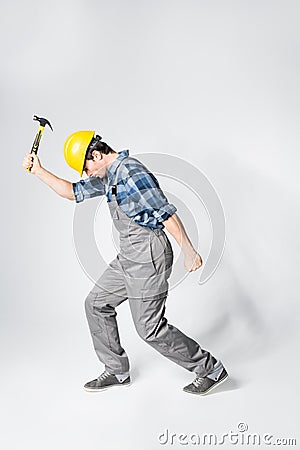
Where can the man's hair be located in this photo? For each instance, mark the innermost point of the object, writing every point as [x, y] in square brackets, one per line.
[97, 144]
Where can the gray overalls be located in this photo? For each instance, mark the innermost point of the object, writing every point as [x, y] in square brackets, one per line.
[140, 274]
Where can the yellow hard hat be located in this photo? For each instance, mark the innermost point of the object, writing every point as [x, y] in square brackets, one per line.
[75, 148]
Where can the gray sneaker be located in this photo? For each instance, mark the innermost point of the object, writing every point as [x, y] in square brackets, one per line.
[105, 381]
[203, 385]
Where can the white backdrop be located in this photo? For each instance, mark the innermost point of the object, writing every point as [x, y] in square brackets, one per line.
[215, 83]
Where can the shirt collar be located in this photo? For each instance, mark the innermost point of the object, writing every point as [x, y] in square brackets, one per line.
[114, 165]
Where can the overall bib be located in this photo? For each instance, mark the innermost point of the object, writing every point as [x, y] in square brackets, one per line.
[140, 274]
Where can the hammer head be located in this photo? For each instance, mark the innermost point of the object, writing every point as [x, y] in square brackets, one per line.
[43, 121]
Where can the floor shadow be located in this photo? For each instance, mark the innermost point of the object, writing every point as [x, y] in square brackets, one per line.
[134, 373]
[239, 323]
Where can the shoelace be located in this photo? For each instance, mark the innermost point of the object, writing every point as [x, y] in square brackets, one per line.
[198, 381]
[104, 375]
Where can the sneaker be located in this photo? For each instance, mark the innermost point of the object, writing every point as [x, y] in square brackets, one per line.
[203, 385]
[105, 381]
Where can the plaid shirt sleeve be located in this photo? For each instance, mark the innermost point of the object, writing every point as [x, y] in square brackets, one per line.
[143, 193]
[88, 188]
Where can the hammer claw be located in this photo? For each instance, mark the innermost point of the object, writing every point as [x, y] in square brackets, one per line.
[43, 121]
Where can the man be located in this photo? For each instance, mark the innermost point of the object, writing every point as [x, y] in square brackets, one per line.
[140, 212]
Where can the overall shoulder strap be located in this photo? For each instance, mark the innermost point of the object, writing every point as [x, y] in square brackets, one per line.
[113, 186]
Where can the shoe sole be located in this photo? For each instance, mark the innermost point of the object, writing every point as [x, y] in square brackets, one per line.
[106, 387]
[211, 388]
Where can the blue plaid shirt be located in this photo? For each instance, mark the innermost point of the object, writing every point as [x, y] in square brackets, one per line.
[138, 192]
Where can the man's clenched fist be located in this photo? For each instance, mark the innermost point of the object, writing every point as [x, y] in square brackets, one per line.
[31, 160]
[192, 261]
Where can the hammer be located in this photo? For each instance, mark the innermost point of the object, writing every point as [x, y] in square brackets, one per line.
[35, 146]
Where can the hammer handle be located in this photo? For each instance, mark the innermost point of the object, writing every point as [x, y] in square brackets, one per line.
[36, 143]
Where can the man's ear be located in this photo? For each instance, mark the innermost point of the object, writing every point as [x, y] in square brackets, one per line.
[97, 156]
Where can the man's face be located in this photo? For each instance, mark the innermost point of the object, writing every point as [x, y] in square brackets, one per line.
[96, 166]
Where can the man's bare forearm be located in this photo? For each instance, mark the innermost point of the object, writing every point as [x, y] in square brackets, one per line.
[62, 187]
[175, 227]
